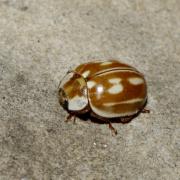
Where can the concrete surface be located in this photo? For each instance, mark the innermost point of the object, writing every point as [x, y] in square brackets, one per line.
[41, 40]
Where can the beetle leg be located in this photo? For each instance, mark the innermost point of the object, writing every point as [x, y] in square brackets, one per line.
[112, 128]
[74, 119]
[69, 118]
[145, 111]
[126, 119]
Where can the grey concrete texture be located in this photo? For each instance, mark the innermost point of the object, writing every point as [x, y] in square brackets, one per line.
[40, 41]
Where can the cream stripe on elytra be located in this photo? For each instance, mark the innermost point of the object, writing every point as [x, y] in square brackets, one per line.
[136, 80]
[116, 69]
[106, 63]
[124, 102]
[112, 114]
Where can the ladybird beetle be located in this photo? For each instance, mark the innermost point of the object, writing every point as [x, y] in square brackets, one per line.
[105, 89]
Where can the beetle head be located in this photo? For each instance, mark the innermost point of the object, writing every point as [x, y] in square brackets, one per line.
[73, 92]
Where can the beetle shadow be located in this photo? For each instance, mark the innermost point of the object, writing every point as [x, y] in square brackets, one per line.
[123, 120]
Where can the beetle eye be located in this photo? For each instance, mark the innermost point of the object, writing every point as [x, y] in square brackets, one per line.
[65, 104]
[84, 91]
[63, 99]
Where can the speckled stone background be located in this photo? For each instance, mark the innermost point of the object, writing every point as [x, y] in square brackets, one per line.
[39, 41]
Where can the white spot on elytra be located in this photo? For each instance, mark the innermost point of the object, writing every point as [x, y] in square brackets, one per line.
[91, 84]
[114, 80]
[85, 74]
[117, 86]
[136, 80]
[106, 63]
[115, 89]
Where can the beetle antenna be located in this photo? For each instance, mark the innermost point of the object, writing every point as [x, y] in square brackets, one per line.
[70, 71]
[76, 73]
[63, 79]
